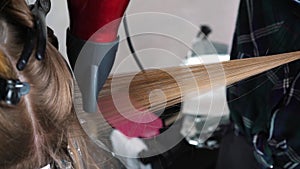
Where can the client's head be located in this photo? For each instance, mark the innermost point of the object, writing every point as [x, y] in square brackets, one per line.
[35, 131]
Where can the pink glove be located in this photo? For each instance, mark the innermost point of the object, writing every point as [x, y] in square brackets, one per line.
[88, 16]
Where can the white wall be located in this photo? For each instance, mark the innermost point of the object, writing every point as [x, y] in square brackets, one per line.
[58, 20]
[219, 14]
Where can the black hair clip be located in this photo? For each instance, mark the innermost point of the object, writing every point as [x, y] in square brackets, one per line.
[39, 9]
[12, 90]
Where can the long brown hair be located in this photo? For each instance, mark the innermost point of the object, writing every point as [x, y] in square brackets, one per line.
[42, 128]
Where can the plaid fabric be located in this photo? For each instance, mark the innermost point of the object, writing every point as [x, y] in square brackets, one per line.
[266, 108]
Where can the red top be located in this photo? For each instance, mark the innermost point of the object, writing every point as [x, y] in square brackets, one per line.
[132, 123]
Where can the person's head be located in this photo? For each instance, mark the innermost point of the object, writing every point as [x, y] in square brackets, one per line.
[36, 131]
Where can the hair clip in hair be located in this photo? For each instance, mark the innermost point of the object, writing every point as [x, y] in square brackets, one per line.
[14, 90]
[27, 50]
[39, 9]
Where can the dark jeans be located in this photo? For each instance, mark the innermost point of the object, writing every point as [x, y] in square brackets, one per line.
[236, 153]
